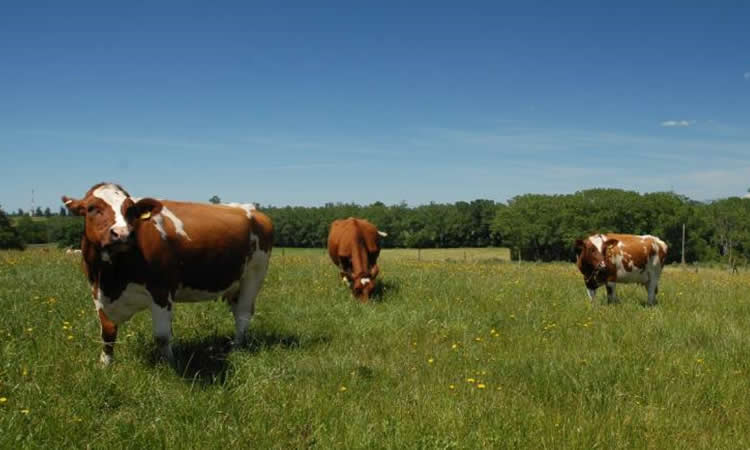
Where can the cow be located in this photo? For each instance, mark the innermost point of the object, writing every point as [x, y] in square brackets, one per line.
[143, 253]
[607, 259]
[354, 247]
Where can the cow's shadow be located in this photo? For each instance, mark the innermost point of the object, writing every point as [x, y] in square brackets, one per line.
[204, 360]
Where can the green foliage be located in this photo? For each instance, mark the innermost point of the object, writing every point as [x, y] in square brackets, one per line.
[9, 237]
[215, 200]
[452, 355]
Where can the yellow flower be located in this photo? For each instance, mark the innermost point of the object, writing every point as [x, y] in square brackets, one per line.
[478, 339]
[454, 346]
[25, 411]
[29, 329]
[451, 387]
[481, 386]
[70, 337]
[25, 371]
[342, 388]
[470, 380]
[3, 400]
[431, 360]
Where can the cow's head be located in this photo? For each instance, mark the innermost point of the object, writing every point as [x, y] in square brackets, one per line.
[592, 261]
[110, 215]
[363, 286]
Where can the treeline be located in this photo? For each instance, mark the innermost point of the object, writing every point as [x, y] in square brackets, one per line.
[535, 227]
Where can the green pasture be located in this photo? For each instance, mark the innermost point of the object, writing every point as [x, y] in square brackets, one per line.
[454, 352]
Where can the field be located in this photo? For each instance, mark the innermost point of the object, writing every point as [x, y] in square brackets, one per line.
[451, 354]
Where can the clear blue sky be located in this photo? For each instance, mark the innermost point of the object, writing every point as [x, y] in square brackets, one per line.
[308, 104]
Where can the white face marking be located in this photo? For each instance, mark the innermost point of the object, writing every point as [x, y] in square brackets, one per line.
[364, 281]
[114, 197]
[248, 207]
[69, 202]
[598, 241]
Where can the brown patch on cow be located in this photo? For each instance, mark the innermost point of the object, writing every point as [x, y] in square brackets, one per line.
[108, 331]
[263, 228]
[354, 247]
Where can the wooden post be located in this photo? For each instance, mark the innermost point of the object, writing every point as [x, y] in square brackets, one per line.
[683, 244]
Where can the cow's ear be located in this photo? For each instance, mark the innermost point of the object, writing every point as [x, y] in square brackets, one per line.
[76, 207]
[609, 244]
[143, 209]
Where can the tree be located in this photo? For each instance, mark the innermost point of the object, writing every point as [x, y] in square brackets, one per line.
[63, 211]
[47, 212]
[215, 200]
[20, 212]
[38, 211]
[9, 237]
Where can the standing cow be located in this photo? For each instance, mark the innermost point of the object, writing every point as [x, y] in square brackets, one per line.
[147, 254]
[621, 258]
[354, 246]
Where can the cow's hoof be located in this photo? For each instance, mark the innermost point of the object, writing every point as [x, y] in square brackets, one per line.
[106, 359]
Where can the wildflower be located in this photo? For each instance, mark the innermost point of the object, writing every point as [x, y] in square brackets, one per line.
[454, 346]
[451, 387]
[481, 386]
[25, 371]
[29, 329]
[470, 380]
[25, 411]
[431, 360]
[342, 389]
[70, 337]
[3, 400]
[478, 339]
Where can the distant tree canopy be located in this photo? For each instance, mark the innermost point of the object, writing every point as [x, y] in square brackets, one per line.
[9, 237]
[535, 227]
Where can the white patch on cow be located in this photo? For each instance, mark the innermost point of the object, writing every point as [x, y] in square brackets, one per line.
[68, 202]
[178, 225]
[250, 284]
[161, 322]
[133, 299]
[247, 207]
[187, 294]
[598, 241]
[364, 281]
[105, 358]
[159, 225]
[114, 197]
[382, 233]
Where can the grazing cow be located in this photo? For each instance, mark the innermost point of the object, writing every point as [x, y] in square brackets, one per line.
[354, 246]
[147, 254]
[621, 258]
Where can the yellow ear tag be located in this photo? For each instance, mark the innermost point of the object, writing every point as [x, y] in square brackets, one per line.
[146, 215]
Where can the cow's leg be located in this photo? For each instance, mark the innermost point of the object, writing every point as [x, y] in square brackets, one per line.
[592, 294]
[109, 336]
[611, 297]
[244, 308]
[653, 288]
[161, 320]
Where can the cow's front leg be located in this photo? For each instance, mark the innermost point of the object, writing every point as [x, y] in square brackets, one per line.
[109, 336]
[161, 319]
[592, 294]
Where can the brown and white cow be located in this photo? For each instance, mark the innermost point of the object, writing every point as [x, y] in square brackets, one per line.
[148, 254]
[606, 259]
[354, 246]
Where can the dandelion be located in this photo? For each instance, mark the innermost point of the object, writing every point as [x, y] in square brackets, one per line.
[70, 337]
[25, 411]
[431, 360]
[451, 387]
[478, 339]
[470, 380]
[342, 389]
[699, 360]
[481, 386]
[29, 330]
[454, 346]
[25, 371]
[3, 400]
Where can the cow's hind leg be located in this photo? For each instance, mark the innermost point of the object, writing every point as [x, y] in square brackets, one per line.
[244, 307]
[653, 288]
[611, 296]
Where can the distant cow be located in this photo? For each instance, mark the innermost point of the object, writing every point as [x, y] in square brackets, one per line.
[147, 254]
[621, 258]
[354, 246]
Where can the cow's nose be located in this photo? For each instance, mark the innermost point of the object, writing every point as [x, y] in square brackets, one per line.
[118, 233]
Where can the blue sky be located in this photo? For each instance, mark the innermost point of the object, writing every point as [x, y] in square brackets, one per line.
[306, 104]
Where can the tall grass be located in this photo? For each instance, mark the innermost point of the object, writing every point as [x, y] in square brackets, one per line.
[450, 354]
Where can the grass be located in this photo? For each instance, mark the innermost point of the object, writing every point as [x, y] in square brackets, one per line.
[450, 355]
